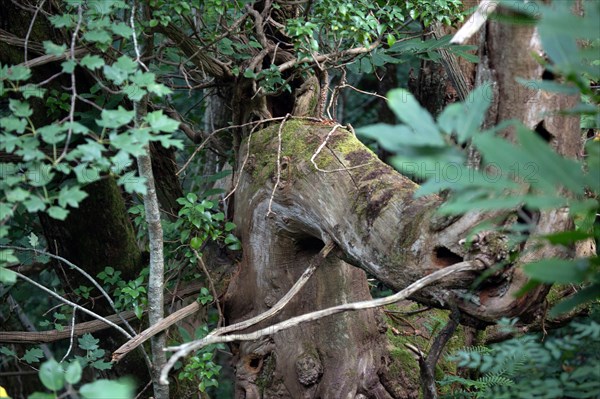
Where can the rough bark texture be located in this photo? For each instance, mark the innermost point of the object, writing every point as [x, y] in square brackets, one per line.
[97, 234]
[368, 210]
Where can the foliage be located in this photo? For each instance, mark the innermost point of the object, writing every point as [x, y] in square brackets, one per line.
[565, 364]
[63, 376]
[80, 144]
[526, 174]
[201, 366]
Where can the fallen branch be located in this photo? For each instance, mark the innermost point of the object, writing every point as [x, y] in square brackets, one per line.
[146, 334]
[155, 329]
[185, 349]
[36, 337]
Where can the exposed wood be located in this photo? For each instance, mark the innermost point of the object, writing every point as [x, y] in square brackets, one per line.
[17, 337]
[154, 329]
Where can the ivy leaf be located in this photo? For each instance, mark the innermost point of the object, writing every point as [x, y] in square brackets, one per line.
[34, 204]
[101, 365]
[52, 375]
[33, 355]
[134, 92]
[17, 195]
[15, 73]
[52, 134]
[62, 21]
[71, 196]
[7, 352]
[143, 78]
[58, 213]
[159, 89]
[87, 342]
[168, 141]
[121, 29]
[54, 49]
[92, 62]
[68, 66]
[133, 183]
[161, 123]
[31, 90]
[114, 119]
[20, 108]
[98, 36]
[13, 124]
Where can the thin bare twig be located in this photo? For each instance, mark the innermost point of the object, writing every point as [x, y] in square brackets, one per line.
[323, 144]
[33, 18]
[81, 271]
[71, 337]
[73, 304]
[184, 349]
[212, 287]
[278, 179]
[73, 85]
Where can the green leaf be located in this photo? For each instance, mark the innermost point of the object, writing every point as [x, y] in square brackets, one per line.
[114, 119]
[31, 90]
[57, 213]
[408, 110]
[475, 108]
[92, 62]
[133, 183]
[98, 36]
[33, 355]
[17, 195]
[134, 92]
[105, 389]
[121, 29]
[7, 276]
[20, 108]
[560, 271]
[7, 351]
[161, 123]
[101, 364]
[53, 134]
[52, 375]
[16, 73]
[71, 196]
[159, 89]
[54, 49]
[585, 295]
[73, 373]
[13, 124]
[87, 342]
[62, 21]
[33, 240]
[143, 78]
[196, 243]
[395, 137]
[567, 237]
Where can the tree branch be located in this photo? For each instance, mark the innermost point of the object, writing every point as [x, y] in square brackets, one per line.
[201, 59]
[185, 349]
